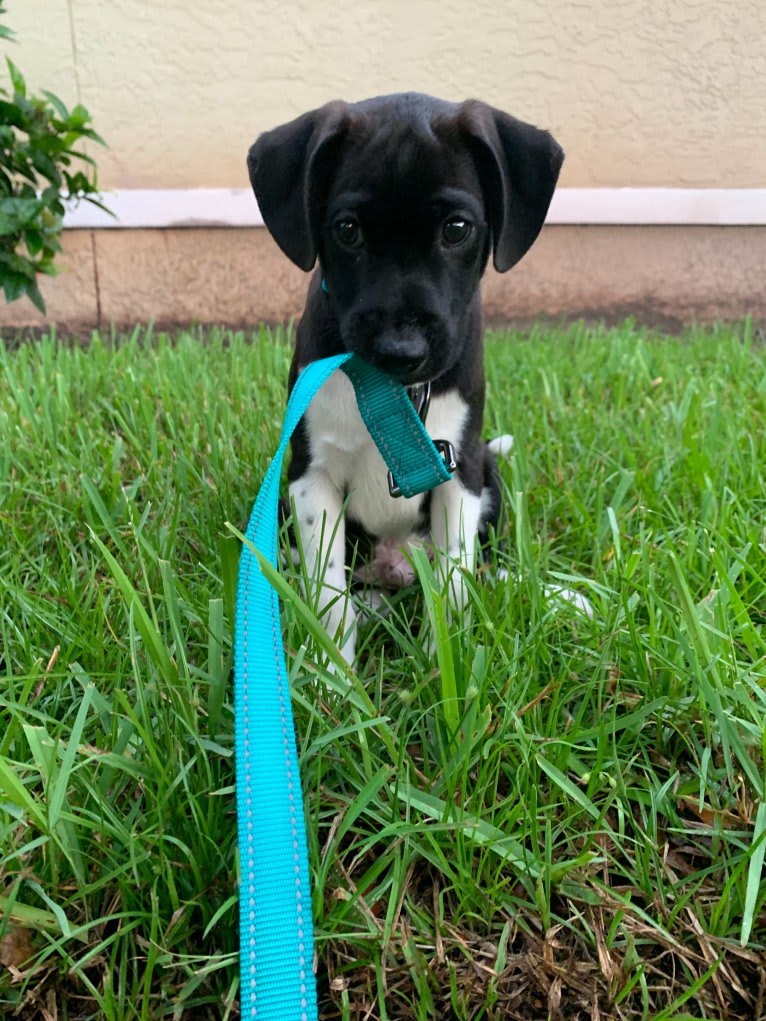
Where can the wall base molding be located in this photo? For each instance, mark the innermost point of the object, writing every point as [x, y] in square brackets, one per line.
[137, 208]
[662, 275]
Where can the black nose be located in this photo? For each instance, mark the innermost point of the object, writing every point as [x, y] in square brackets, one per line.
[400, 353]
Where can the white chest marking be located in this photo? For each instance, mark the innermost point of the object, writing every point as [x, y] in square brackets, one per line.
[343, 450]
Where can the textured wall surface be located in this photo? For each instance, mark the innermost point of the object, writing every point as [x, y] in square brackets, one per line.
[639, 92]
[666, 276]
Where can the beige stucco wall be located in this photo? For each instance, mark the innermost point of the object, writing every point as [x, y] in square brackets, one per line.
[665, 276]
[643, 93]
[639, 92]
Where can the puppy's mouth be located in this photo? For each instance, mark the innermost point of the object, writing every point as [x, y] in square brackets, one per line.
[406, 375]
[402, 354]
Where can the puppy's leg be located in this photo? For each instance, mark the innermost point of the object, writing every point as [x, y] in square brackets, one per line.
[319, 519]
[455, 518]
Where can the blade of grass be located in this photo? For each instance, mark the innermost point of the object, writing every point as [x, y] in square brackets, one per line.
[753, 889]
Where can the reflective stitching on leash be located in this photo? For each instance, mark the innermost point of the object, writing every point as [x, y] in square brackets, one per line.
[291, 797]
[248, 786]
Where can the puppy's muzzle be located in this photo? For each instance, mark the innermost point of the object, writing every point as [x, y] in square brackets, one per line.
[400, 353]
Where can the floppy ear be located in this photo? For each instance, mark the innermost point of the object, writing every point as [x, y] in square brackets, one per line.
[518, 167]
[288, 167]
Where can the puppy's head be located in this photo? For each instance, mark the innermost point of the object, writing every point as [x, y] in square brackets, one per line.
[402, 198]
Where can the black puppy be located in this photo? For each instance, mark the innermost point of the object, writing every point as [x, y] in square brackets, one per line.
[402, 199]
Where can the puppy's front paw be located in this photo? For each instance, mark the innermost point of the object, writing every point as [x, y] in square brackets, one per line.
[553, 593]
[568, 595]
[370, 603]
[339, 620]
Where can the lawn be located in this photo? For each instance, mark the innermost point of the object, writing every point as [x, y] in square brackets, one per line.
[558, 817]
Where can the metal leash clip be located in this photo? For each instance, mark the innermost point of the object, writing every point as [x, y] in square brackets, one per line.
[420, 395]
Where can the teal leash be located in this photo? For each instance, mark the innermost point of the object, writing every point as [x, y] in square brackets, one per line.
[276, 933]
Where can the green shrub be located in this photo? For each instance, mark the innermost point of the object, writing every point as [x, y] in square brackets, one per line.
[39, 169]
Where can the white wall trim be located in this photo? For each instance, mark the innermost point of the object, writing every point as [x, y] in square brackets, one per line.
[236, 207]
[169, 207]
[693, 206]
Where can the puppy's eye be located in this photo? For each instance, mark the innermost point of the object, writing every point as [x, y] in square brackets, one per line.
[348, 232]
[456, 231]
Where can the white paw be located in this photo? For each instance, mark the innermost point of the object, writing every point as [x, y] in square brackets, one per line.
[370, 602]
[574, 598]
[496, 575]
[552, 592]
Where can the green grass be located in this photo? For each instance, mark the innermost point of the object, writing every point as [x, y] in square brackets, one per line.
[554, 817]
